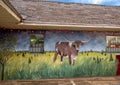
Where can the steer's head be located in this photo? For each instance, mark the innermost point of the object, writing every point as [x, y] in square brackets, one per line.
[76, 44]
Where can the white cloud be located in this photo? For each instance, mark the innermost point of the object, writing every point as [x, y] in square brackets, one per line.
[89, 1]
[97, 1]
[107, 2]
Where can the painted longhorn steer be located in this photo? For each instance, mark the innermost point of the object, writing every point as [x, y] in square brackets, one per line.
[69, 49]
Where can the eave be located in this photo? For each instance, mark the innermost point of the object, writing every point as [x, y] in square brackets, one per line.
[11, 19]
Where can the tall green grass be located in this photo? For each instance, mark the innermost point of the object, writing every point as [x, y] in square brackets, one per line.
[36, 66]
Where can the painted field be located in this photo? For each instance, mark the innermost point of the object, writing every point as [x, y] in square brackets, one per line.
[24, 65]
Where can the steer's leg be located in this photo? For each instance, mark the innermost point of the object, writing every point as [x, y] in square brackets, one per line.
[61, 60]
[73, 62]
[55, 56]
[70, 61]
[73, 59]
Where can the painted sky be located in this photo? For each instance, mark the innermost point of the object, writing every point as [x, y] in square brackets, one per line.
[23, 41]
[102, 2]
[97, 42]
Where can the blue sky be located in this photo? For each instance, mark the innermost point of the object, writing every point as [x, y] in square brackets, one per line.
[103, 2]
[97, 43]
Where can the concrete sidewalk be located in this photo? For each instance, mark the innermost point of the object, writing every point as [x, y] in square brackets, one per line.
[67, 81]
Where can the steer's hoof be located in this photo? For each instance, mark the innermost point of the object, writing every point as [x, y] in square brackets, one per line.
[61, 62]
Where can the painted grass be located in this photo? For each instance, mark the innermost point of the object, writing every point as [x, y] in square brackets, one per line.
[36, 66]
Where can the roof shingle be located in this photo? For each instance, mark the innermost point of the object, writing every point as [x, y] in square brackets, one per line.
[37, 11]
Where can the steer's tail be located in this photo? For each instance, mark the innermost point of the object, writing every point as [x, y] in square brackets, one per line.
[55, 56]
[56, 52]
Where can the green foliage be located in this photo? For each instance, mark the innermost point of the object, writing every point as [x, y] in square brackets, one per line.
[23, 54]
[102, 52]
[42, 66]
[111, 58]
[7, 46]
[17, 54]
[98, 60]
[7, 42]
[91, 50]
[29, 60]
[94, 58]
[81, 52]
[87, 54]
[105, 54]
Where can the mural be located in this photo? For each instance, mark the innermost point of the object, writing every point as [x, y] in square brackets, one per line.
[36, 43]
[64, 54]
[113, 43]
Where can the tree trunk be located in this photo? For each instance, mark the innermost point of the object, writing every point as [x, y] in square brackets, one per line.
[2, 72]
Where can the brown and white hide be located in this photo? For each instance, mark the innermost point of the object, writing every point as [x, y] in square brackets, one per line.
[67, 49]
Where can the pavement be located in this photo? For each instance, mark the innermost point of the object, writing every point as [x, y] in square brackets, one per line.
[66, 81]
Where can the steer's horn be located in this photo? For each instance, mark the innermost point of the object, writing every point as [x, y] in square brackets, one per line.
[85, 41]
[65, 38]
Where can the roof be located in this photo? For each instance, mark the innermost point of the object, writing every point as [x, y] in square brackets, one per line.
[37, 11]
[47, 15]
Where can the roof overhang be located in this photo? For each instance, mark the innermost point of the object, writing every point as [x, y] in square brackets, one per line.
[11, 19]
[8, 15]
[69, 27]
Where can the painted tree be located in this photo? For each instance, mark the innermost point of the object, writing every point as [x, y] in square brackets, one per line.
[7, 46]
